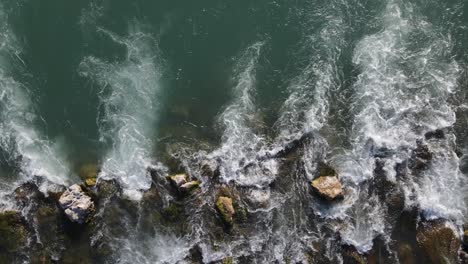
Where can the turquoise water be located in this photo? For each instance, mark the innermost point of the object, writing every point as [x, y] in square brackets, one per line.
[130, 84]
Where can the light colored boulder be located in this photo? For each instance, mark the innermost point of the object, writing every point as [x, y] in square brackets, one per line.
[329, 187]
[76, 204]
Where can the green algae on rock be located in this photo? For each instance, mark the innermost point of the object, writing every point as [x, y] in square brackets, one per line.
[226, 209]
[13, 232]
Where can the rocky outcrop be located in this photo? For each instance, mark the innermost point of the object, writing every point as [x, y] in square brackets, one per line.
[225, 208]
[438, 241]
[421, 157]
[328, 187]
[76, 204]
[13, 233]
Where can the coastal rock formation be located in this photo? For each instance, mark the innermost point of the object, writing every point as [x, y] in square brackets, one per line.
[182, 183]
[439, 241]
[88, 173]
[76, 204]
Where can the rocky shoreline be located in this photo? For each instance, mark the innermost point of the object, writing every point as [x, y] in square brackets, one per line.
[74, 224]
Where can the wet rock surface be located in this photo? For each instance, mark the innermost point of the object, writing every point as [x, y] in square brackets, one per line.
[76, 204]
[439, 241]
[328, 187]
[13, 232]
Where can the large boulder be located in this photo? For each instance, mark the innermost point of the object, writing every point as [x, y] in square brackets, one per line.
[328, 187]
[438, 241]
[76, 204]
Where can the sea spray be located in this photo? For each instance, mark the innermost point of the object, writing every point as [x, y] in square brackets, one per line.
[130, 89]
[401, 94]
[24, 146]
[241, 143]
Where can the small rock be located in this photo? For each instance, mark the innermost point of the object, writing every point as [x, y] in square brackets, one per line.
[90, 182]
[226, 209]
[178, 180]
[437, 134]
[352, 256]
[438, 240]
[76, 204]
[421, 157]
[209, 168]
[189, 186]
[328, 187]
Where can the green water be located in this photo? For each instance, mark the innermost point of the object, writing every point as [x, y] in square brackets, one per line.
[312, 58]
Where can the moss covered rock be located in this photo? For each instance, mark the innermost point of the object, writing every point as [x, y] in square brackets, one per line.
[178, 180]
[13, 232]
[88, 173]
[226, 209]
[328, 187]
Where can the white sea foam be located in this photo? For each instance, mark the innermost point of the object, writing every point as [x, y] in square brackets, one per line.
[401, 93]
[19, 136]
[241, 143]
[129, 96]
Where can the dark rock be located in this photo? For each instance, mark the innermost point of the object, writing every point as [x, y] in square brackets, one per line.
[209, 168]
[89, 173]
[351, 256]
[406, 253]
[76, 204]
[436, 134]
[421, 157]
[438, 241]
[107, 188]
[13, 232]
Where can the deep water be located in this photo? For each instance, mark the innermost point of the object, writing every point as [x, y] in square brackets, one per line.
[251, 99]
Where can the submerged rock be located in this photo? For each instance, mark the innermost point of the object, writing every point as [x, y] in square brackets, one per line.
[13, 233]
[209, 168]
[436, 134]
[88, 173]
[438, 241]
[76, 204]
[328, 187]
[225, 208]
[421, 157]
[351, 256]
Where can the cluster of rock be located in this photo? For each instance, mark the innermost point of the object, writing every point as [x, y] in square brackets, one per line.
[183, 183]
